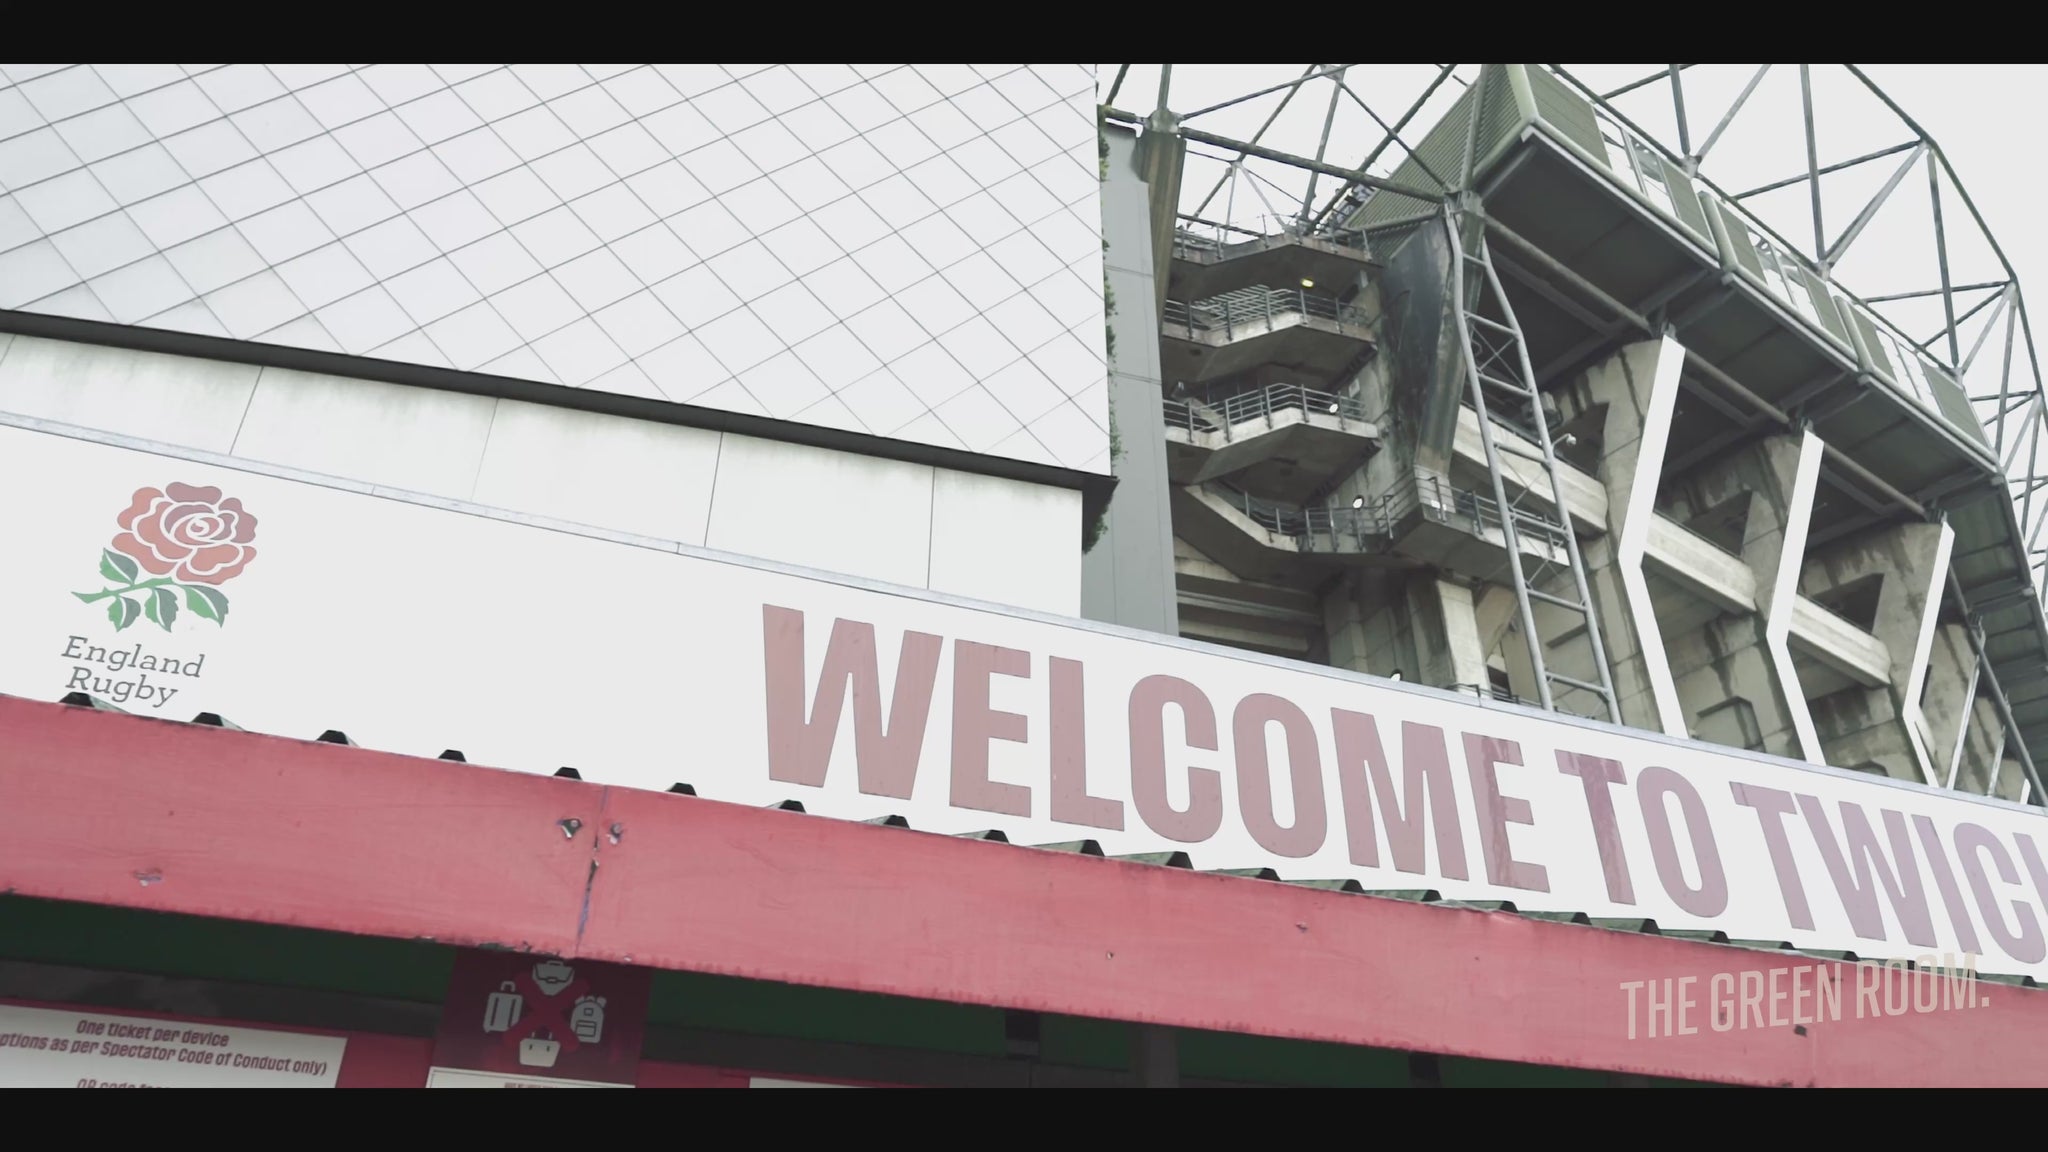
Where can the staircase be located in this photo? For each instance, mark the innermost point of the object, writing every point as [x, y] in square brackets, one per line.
[1283, 440]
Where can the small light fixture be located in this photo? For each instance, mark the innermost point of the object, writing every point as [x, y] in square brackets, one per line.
[1307, 283]
[1358, 501]
[1333, 407]
[1396, 675]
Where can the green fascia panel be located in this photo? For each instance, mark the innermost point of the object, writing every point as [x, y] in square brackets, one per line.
[1464, 1072]
[1294, 1063]
[731, 1004]
[1083, 1042]
[191, 947]
[232, 951]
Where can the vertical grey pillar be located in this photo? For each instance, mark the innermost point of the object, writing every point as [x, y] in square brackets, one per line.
[1127, 577]
[1951, 688]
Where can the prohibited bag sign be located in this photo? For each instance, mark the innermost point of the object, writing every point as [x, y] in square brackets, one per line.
[532, 1017]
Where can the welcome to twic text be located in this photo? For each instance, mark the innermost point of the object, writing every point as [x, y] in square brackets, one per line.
[1796, 995]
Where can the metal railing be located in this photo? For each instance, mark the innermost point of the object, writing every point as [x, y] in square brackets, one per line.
[1298, 522]
[1489, 692]
[1252, 310]
[1259, 404]
[1484, 511]
[1372, 520]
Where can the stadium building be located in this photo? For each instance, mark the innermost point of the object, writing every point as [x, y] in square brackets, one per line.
[978, 575]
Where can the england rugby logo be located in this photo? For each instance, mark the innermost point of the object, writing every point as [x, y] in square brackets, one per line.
[187, 541]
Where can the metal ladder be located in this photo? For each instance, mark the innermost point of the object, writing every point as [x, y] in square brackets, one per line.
[1497, 360]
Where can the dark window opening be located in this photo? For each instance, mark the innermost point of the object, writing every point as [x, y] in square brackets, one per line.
[1725, 524]
[1855, 601]
[1498, 683]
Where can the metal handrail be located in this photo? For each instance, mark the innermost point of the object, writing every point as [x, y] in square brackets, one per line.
[1314, 520]
[1489, 692]
[1484, 511]
[1377, 516]
[1259, 404]
[1258, 309]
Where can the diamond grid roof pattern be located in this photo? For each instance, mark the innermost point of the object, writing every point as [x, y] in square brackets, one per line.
[912, 251]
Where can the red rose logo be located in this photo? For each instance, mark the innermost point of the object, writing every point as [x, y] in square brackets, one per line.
[188, 540]
[188, 532]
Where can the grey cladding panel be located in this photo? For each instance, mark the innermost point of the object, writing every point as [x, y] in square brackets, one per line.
[1954, 404]
[1499, 115]
[1440, 152]
[1878, 358]
[1824, 305]
[1688, 203]
[1738, 238]
[1565, 110]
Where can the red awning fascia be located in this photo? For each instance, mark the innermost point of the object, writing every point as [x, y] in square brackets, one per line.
[114, 809]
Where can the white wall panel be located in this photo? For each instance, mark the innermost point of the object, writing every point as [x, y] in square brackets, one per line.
[605, 471]
[713, 235]
[170, 399]
[1005, 541]
[1000, 540]
[418, 439]
[859, 515]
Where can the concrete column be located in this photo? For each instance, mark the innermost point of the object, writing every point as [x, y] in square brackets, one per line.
[1127, 578]
[1748, 657]
[1977, 759]
[2011, 783]
[1425, 628]
[1463, 654]
[1885, 725]
[1951, 709]
[1639, 386]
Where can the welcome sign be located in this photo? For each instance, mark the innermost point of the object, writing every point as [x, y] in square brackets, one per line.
[291, 607]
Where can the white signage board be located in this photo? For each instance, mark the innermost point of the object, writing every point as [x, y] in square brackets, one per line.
[61, 1048]
[292, 608]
